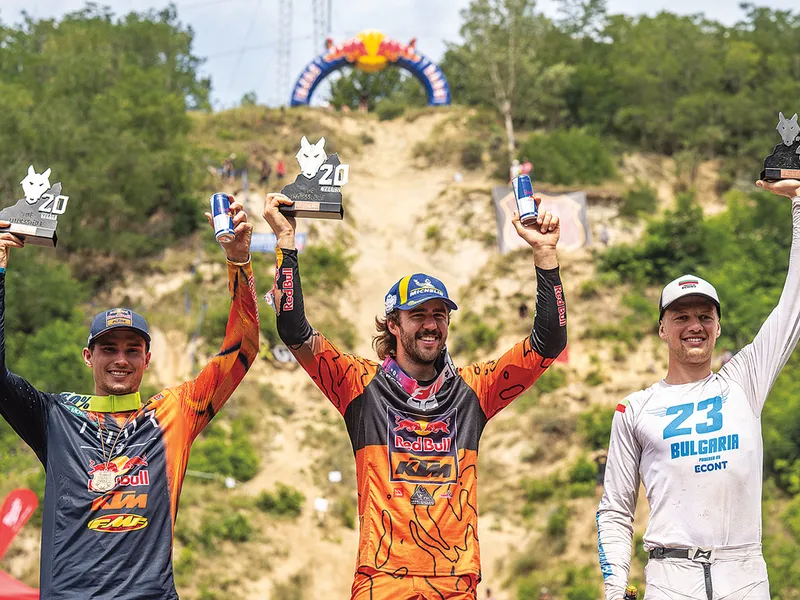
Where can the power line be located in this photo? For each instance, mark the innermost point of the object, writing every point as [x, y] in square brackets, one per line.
[284, 50]
[246, 37]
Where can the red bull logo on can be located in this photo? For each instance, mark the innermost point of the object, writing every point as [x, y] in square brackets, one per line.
[422, 448]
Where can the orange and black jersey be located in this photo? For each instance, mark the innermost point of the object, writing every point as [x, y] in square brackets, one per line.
[416, 447]
[115, 543]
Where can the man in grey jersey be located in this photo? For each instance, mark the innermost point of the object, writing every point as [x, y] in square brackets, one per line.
[694, 440]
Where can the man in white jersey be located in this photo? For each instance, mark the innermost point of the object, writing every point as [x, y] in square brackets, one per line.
[694, 440]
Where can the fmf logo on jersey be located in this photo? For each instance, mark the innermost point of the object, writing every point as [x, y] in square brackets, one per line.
[422, 449]
[118, 523]
[119, 501]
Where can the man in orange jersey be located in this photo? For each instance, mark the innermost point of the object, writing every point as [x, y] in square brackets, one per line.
[115, 461]
[415, 420]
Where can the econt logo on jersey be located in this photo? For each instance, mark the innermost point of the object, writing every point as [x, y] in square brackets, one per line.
[422, 450]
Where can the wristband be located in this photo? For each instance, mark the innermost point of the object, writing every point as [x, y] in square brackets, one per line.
[238, 264]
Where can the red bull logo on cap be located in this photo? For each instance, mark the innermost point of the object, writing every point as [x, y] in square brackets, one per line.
[119, 316]
[422, 449]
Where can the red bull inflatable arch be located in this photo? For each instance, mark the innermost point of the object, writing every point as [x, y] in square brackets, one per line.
[371, 51]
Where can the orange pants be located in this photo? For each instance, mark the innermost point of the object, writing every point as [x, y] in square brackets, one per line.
[370, 584]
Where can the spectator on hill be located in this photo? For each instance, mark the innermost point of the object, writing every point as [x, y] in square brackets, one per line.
[280, 170]
[694, 440]
[515, 169]
[526, 168]
[266, 171]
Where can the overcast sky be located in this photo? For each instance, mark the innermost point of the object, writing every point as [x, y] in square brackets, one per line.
[238, 37]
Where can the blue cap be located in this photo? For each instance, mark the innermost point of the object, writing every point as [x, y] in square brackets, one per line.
[415, 289]
[115, 318]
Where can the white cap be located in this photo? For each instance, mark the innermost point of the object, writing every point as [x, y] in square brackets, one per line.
[687, 285]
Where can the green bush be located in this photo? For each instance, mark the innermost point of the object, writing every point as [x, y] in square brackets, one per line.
[595, 426]
[346, 510]
[472, 334]
[583, 471]
[594, 378]
[388, 110]
[537, 490]
[557, 522]
[224, 449]
[551, 380]
[640, 199]
[472, 155]
[569, 156]
[324, 268]
[284, 502]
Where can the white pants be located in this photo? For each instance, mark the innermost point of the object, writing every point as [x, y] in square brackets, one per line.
[732, 573]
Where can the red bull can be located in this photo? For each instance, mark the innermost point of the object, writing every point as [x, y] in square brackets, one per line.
[223, 220]
[523, 193]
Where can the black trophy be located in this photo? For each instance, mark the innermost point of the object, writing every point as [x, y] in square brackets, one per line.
[317, 190]
[784, 162]
[34, 218]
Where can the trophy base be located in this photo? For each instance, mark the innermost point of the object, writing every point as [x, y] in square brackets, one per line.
[313, 210]
[30, 234]
[776, 174]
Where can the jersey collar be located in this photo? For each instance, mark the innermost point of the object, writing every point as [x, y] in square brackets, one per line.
[115, 404]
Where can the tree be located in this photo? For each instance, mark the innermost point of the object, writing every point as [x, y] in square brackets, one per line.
[103, 103]
[497, 64]
[356, 86]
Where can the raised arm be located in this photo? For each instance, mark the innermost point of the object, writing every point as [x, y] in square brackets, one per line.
[22, 405]
[203, 397]
[498, 382]
[341, 377]
[617, 507]
[757, 365]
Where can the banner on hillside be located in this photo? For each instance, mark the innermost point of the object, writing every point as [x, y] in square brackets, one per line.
[570, 208]
[266, 242]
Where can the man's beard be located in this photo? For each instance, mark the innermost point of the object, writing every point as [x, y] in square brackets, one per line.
[421, 356]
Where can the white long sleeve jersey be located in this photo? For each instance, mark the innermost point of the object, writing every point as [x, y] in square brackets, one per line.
[697, 448]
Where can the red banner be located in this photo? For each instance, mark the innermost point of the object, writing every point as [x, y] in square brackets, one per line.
[17, 509]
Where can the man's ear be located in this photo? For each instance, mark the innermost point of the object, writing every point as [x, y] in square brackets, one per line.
[662, 333]
[146, 361]
[87, 357]
[394, 328]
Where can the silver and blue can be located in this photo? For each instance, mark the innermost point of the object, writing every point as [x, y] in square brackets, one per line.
[223, 220]
[523, 193]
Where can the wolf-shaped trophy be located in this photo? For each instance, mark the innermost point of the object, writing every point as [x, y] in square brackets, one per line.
[784, 162]
[34, 218]
[317, 190]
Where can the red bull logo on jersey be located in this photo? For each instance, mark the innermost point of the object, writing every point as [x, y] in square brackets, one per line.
[422, 449]
[115, 473]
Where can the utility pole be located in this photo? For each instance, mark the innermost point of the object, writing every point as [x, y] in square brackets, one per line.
[284, 52]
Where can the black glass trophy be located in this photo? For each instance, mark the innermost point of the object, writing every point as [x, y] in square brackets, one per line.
[784, 162]
[316, 191]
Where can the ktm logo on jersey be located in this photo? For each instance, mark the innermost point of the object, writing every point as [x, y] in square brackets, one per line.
[118, 523]
[407, 467]
[119, 500]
